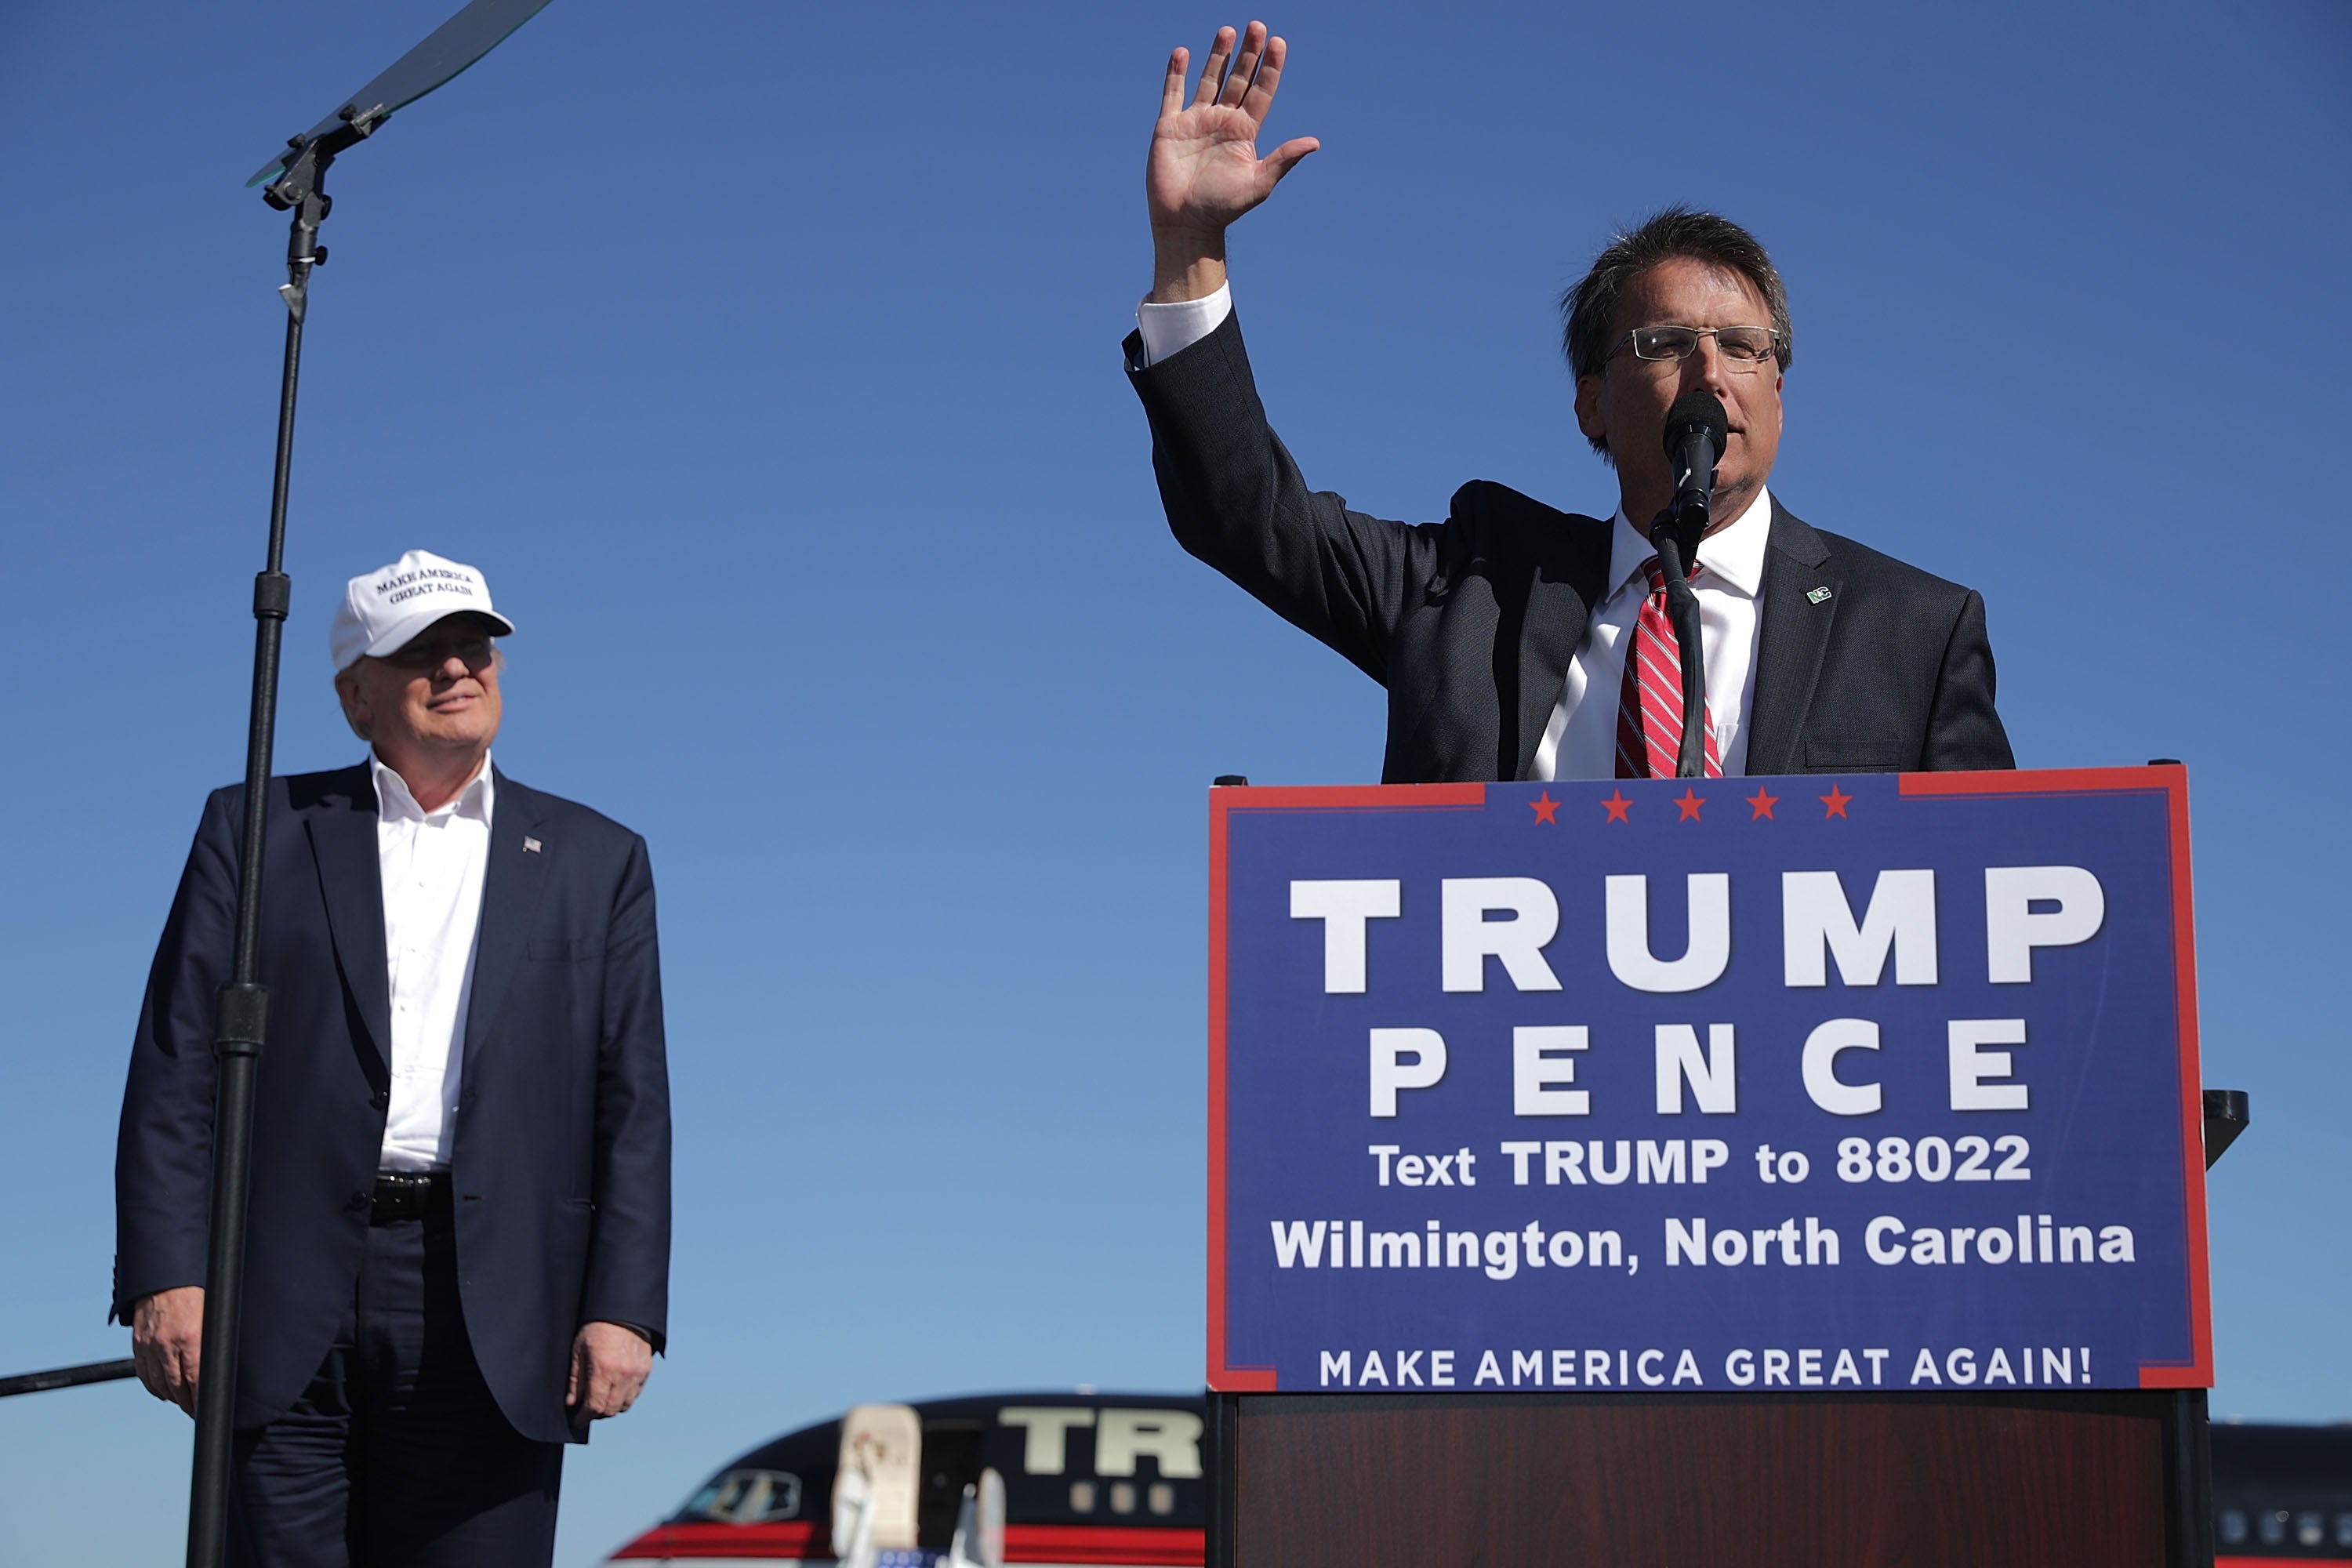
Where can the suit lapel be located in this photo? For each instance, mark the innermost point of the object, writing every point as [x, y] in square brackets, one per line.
[1568, 580]
[350, 879]
[511, 886]
[1797, 566]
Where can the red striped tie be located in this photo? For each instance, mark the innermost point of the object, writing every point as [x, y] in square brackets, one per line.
[1650, 702]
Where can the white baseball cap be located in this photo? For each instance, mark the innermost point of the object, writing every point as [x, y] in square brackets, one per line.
[385, 609]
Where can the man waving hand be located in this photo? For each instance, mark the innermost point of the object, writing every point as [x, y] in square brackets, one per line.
[1502, 632]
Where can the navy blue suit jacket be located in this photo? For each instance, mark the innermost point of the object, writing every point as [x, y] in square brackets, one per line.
[1863, 664]
[560, 1169]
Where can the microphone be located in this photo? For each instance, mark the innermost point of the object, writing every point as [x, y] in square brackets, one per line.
[1696, 434]
[1698, 431]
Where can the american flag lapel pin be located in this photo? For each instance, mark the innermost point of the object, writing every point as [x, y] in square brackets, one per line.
[530, 846]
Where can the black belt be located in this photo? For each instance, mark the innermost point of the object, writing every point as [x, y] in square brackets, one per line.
[409, 1195]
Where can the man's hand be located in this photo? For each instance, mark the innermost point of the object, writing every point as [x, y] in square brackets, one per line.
[1203, 171]
[610, 1363]
[167, 1336]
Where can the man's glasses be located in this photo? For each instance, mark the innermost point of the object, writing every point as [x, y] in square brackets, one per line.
[434, 652]
[1744, 347]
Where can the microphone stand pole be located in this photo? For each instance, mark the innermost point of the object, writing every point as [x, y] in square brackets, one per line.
[241, 1021]
[1681, 609]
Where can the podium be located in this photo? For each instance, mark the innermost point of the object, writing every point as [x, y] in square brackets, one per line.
[1797, 1170]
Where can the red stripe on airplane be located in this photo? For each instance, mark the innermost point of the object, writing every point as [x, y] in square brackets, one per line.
[793, 1538]
[1139, 1545]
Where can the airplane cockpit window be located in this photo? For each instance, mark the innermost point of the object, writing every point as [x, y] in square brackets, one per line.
[746, 1496]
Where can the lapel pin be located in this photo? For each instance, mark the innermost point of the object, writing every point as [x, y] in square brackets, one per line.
[1817, 596]
[530, 846]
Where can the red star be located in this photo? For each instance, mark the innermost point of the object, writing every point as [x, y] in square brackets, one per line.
[1545, 808]
[1690, 800]
[1763, 802]
[1835, 800]
[1616, 804]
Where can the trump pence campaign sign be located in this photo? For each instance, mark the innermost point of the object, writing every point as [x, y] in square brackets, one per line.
[1868, 1082]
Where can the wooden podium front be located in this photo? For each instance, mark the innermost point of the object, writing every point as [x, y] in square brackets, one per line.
[1821, 1480]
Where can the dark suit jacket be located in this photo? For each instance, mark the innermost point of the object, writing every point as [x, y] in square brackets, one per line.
[560, 1169]
[1471, 623]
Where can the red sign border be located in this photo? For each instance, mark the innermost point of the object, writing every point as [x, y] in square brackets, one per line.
[1224, 800]
[2171, 779]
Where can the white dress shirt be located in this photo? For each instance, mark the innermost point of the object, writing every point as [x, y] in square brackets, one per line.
[1581, 742]
[433, 865]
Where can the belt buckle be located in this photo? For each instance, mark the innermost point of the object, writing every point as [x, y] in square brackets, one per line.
[400, 1196]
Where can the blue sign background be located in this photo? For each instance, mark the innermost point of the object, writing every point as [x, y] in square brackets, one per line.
[2107, 1060]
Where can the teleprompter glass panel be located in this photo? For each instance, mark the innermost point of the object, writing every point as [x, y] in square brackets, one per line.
[447, 50]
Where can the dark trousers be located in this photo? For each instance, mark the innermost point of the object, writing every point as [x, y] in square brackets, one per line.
[397, 1456]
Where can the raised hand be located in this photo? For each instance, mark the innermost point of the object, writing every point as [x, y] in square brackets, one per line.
[1204, 170]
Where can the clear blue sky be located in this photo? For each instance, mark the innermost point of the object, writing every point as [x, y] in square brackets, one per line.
[766, 359]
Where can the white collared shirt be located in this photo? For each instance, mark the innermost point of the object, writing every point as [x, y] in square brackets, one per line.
[433, 865]
[1581, 742]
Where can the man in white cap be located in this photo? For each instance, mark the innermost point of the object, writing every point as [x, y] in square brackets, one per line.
[458, 1249]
